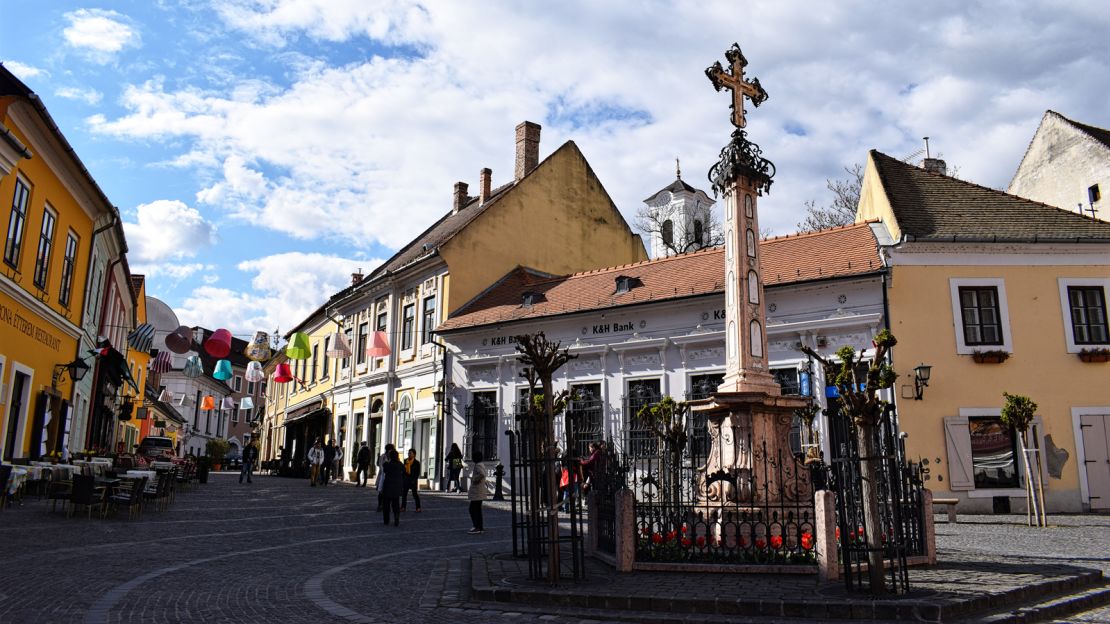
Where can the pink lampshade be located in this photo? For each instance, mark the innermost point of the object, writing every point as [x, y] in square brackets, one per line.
[218, 344]
[379, 345]
[283, 374]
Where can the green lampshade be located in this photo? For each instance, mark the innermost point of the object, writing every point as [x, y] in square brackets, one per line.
[298, 347]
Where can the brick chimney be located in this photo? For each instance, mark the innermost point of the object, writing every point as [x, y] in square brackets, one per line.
[356, 277]
[936, 165]
[483, 185]
[460, 197]
[527, 148]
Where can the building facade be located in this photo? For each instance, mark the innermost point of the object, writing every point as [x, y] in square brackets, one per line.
[997, 294]
[1067, 165]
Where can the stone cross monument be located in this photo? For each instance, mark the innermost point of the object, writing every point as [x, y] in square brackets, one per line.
[747, 418]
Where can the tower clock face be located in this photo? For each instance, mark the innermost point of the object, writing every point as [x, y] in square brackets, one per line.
[748, 209]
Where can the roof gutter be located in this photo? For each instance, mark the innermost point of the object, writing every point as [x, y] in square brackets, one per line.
[910, 238]
[12, 140]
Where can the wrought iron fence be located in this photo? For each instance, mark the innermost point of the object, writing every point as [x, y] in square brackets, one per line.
[606, 475]
[639, 439]
[583, 424]
[899, 488]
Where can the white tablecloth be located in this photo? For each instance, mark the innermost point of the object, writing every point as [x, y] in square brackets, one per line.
[139, 474]
[19, 476]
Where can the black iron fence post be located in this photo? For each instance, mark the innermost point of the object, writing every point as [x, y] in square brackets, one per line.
[499, 473]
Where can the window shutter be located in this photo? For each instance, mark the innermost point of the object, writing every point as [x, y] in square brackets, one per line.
[958, 438]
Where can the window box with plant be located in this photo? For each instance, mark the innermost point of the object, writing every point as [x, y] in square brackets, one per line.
[1095, 354]
[993, 356]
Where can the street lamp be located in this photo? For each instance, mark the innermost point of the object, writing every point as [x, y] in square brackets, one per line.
[76, 369]
[921, 374]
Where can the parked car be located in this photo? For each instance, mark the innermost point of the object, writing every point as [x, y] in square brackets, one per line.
[233, 460]
[156, 447]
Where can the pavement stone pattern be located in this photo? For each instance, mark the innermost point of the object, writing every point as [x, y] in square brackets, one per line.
[278, 550]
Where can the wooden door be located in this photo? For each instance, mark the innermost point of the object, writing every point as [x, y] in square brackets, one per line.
[1095, 429]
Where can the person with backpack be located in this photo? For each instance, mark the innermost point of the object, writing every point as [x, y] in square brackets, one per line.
[477, 493]
[362, 468]
[412, 481]
[454, 467]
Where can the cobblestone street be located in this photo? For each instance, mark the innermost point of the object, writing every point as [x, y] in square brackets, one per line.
[280, 551]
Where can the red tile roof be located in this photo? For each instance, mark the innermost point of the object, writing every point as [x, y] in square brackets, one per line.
[838, 252]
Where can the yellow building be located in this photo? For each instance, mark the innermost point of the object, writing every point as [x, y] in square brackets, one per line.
[554, 216]
[137, 355]
[49, 207]
[997, 294]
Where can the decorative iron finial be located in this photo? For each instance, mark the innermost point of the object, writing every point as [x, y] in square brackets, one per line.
[677, 169]
[735, 82]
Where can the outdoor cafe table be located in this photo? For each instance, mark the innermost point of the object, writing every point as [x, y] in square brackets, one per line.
[19, 476]
[151, 475]
[62, 472]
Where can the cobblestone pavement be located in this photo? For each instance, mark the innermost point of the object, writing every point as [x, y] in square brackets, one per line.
[280, 551]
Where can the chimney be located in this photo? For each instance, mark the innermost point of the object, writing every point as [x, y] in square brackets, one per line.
[460, 197]
[936, 165]
[483, 185]
[527, 148]
[356, 277]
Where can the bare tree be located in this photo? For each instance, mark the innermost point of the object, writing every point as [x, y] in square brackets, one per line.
[842, 209]
[679, 235]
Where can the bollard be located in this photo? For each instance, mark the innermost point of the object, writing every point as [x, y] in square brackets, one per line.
[498, 472]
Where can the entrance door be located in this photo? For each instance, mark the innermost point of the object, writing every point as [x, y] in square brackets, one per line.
[1095, 429]
[375, 444]
[15, 413]
[421, 440]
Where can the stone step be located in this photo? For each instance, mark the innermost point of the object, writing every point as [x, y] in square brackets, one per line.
[1051, 608]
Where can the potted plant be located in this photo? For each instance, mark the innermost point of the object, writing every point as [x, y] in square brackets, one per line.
[1095, 354]
[216, 451]
[993, 356]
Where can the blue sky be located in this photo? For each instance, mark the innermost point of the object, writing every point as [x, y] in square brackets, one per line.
[261, 150]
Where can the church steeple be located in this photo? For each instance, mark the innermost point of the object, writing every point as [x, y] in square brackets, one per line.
[680, 218]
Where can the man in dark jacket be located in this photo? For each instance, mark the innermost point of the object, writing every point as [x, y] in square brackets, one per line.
[362, 465]
[250, 456]
[329, 460]
[412, 481]
[393, 483]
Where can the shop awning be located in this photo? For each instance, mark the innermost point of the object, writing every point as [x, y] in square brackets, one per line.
[304, 413]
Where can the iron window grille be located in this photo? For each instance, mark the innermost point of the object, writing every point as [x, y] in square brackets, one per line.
[701, 387]
[481, 426]
[641, 440]
[584, 421]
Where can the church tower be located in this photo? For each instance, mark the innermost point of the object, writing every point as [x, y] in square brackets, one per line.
[681, 220]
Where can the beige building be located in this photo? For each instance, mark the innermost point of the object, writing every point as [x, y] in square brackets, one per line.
[1067, 165]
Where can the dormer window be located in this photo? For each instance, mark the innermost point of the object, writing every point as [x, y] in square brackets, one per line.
[529, 299]
[626, 283]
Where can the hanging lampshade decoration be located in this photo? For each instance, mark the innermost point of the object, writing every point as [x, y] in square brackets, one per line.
[228, 404]
[246, 403]
[379, 345]
[298, 347]
[338, 347]
[283, 374]
[208, 403]
[162, 363]
[223, 370]
[258, 349]
[166, 396]
[218, 344]
[180, 340]
[193, 367]
[254, 372]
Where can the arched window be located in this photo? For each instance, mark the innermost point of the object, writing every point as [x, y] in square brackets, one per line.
[698, 233]
[753, 287]
[756, 337]
[404, 420]
[668, 232]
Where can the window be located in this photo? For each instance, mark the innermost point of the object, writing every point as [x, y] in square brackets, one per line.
[360, 350]
[1093, 194]
[993, 453]
[641, 393]
[584, 418]
[68, 265]
[46, 244]
[324, 368]
[14, 241]
[787, 378]
[381, 324]
[404, 418]
[408, 319]
[668, 232]
[250, 388]
[315, 357]
[701, 387]
[427, 323]
[699, 233]
[1088, 315]
[234, 415]
[346, 361]
[481, 426]
[624, 284]
[238, 383]
[982, 324]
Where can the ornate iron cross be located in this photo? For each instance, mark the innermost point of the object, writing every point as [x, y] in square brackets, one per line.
[735, 82]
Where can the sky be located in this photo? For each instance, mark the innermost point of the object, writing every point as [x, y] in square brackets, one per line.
[260, 151]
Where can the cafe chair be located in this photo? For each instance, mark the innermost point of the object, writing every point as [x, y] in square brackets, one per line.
[58, 489]
[132, 499]
[5, 476]
[161, 493]
[86, 493]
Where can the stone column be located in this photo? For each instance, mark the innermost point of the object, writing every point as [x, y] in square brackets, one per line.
[930, 527]
[626, 530]
[828, 562]
[591, 523]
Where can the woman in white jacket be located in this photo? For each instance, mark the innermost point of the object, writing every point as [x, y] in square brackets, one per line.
[315, 461]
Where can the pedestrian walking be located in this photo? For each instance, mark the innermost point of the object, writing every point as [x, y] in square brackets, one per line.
[362, 468]
[250, 456]
[476, 494]
[379, 481]
[329, 460]
[454, 467]
[315, 461]
[412, 480]
[393, 483]
[337, 465]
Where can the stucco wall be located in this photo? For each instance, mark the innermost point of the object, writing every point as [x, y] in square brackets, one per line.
[1061, 163]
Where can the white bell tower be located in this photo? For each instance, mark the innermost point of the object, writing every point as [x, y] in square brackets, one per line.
[681, 218]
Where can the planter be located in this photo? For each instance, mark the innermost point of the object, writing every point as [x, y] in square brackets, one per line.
[216, 467]
[990, 357]
[1096, 356]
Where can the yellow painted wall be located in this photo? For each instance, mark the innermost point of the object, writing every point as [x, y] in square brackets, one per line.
[873, 202]
[1040, 366]
[558, 219]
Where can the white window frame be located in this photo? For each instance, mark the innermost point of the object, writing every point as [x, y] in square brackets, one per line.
[1080, 452]
[1035, 428]
[21, 431]
[962, 347]
[1065, 307]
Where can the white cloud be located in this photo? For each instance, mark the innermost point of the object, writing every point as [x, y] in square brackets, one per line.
[23, 70]
[287, 287]
[173, 272]
[167, 229]
[88, 95]
[340, 150]
[100, 34]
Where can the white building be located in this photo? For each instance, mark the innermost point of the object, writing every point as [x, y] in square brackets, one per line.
[1067, 165]
[681, 219]
[655, 328]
